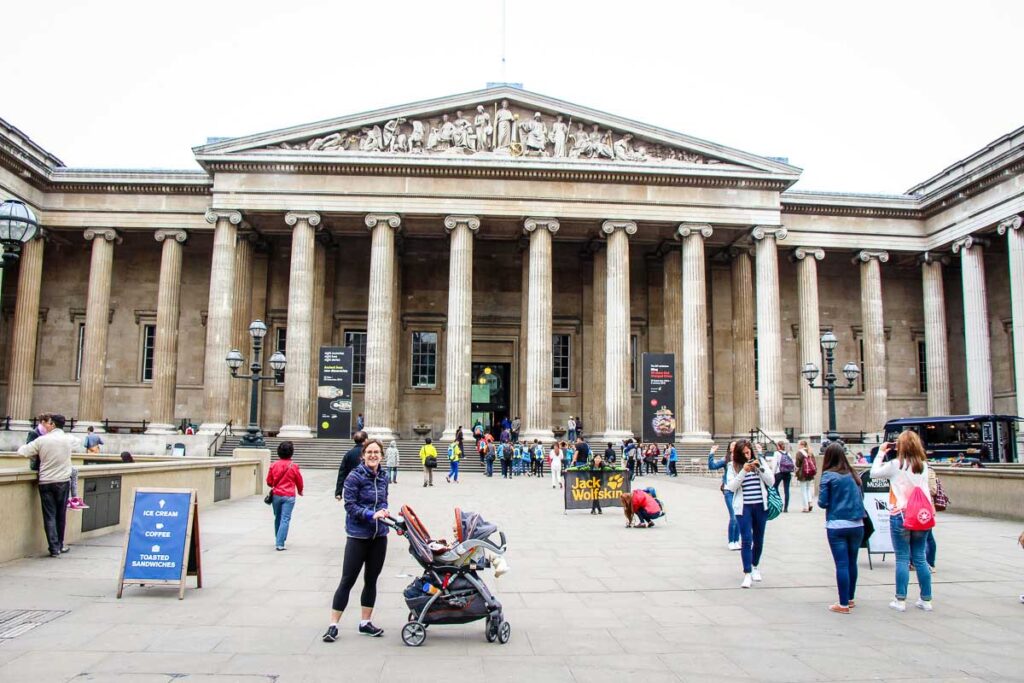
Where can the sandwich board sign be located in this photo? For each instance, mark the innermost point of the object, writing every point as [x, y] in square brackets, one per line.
[876, 504]
[161, 545]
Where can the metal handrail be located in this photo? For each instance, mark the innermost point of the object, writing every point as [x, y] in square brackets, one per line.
[757, 432]
[218, 440]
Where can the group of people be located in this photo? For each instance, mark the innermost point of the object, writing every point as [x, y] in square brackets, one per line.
[644, 458]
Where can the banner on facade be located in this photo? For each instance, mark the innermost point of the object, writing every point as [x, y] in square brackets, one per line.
[582, 487]
[876, 502]
[659, 397]
[161, 545]
[334, 393]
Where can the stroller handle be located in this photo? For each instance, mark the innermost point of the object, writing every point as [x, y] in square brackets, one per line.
[501, 535]
[389, 521]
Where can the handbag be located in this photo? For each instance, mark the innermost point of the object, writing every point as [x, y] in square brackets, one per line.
[269, 498]
[774, 504]
[941, 499]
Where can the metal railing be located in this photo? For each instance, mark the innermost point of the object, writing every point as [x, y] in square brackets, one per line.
[218, 440]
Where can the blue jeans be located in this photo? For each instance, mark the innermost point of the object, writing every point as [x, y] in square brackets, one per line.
[453, 470]
[752, 524]
[282, 518]
[910, 545]
[844, 544]
[930, 549]
[490, 467]
[734, 526]
[393, 475]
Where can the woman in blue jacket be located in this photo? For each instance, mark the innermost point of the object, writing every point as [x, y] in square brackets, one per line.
[733, 531]
[366, 504]
[840, 495]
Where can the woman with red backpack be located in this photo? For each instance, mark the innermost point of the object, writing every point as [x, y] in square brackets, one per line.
[806, 470]
[911, 513]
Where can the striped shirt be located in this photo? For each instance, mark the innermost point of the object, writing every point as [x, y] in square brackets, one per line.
[752, 489]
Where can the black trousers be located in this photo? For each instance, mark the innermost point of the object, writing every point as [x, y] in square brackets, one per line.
[360, 553]
[782, 479]
[54, 499]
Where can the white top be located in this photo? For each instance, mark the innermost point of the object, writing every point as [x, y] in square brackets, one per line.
[54, 451]
[902, 480]
[734, 482]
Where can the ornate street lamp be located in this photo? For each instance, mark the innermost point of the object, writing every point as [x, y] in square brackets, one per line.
[18, 225]
[257, 330]
[828, 383]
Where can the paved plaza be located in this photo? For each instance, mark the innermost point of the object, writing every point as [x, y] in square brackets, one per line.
[588, 600]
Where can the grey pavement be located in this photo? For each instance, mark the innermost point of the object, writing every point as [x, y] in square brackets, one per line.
[588, 600]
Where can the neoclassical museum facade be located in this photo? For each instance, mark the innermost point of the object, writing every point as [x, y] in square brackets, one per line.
[508, 240]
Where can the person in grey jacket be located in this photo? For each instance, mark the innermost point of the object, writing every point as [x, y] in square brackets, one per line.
[54, 452]
[391, 457]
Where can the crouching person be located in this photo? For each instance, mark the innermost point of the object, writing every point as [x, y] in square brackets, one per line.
[641, 504]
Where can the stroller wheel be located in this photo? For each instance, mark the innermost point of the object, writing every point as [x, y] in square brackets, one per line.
[504, 632]
[413, 634]
[491, 632]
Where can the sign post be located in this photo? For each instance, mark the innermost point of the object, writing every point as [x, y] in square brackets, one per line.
[582, 487]
[659, 389]
[334, 393]
[162, 545]
[876, 502]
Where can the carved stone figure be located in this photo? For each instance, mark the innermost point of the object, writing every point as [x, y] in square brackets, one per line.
[394, 138]
[371, 140]
[559, 137]
[416, 137]
[624, 150]
[447, 134]
[534, 134]
[504, 120]
[580, 142]
[600, 145]
[482, 124]
[463, 136]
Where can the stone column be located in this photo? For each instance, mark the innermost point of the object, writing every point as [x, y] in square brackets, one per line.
[597, 368]
[1012, 228]
[976, 332]
[216, 375]
[672, 307]
[696, 429]
[617, 386]
[165, 352]
[459, 342]
[241, 316]
[295, 415]
[807, 258]
[97, 323]
[769, 330]
[24, 335]
[537, 420]
[876, 389]
[744, 398]
[316, 337]
[935, 343]
[380, 372]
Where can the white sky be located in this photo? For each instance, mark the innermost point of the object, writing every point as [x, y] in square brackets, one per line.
[865, 97]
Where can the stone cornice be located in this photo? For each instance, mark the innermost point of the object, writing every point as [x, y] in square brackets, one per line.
[551, 224]
[865, 255]
[179, 236]
[452, 222]
[966, 243]
[108, 234]
[684, 230]
[292, 218]
[392, 220]
[628, 227]
[800, 253]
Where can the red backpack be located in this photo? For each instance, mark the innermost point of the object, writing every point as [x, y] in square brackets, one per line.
[808, 468]
[919, 515]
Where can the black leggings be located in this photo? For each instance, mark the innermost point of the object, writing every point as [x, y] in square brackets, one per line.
[359, 552]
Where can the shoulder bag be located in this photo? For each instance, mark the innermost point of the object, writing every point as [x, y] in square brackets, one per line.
[269, 498]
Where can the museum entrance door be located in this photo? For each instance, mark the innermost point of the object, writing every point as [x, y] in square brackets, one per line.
[490, 395]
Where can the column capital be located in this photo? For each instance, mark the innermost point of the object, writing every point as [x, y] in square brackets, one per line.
[392, 220]
[1011, 223]
[292, 218]
[930, 257]
[109, 234]
[761, 232]
[865, 255]
[700, 229]
[178, 236]
[551, 224]
[452, 222]
[800, 253]
[967, 242]
[629, 227]
[214, 215]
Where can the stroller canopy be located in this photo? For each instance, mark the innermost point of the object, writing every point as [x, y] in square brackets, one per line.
[472, 526]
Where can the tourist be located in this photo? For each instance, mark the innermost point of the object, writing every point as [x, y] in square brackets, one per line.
[907, 471]
[490, 456]
[586, 454]
[749, 484]
[931, 548]
[514, 431]
[285, 481]
[349, 462]
[507, 453]
[642, 504]
[783, 466]
[53, 450]
[651, 456]
[428, 459]
[556, 465]
[506, 435]
[538, 459]
[126, 456]
[841, 497]
[478, 430]
[39, 428]
[459, 439]
[806, 469]
[92, 441]
[391, 458]
[629, 455]
[861, 460]
[724, 464]
[360, 422]
[609, 454]
[673, 459]
[571, 427]
[598, 465]
[579, 426]
[366, 504]
[454, 455]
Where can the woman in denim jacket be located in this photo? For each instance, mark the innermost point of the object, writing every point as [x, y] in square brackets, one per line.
[733, 531]
[841, 497]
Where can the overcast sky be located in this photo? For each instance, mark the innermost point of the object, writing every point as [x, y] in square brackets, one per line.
[865, 97]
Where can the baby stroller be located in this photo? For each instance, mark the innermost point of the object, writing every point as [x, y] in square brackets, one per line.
[450, 591]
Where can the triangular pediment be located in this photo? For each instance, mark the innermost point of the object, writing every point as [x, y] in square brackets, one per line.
[501, 125]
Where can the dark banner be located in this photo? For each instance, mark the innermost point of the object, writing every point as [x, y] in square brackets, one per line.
[659, 383]
[334, 393]
[583, 486]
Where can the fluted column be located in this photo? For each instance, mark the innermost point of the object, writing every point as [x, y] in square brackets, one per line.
[769, 330]
[597, 369]
[935, 344]
[216, 375]
[807, 258]
[295, 416]
[24, 335]
[876, 388]
[538, 419]
[696, 427]
[744, 398]
[241, 316]
[617, 389]
[672, 306]
[380, 372]
[97, 323]
[316, 337]
[165, 351]
[459, 342]
[976, 332]
[1012, 228]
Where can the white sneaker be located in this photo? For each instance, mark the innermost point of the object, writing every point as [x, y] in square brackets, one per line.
[736, 546]
[926, 605]
[899, 605]
[756, 574]
[747, 582]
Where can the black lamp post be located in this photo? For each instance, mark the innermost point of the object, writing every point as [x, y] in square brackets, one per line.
[18, 225]
[257, 330]
[828, 382]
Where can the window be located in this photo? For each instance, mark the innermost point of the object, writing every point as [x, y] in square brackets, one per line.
[280, 344]
[357, 340]
[560, 362]
[148, 349]
[633, 343]
[424, 359]
[922, 368]
[81, 347]
[756, 373]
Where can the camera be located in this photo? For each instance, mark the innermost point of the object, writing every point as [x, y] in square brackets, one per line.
[889, 451]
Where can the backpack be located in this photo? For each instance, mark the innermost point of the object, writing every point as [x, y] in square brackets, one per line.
[919, 515]
[941, 499]
[774, 504]
[786, 464]
[809, 467]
